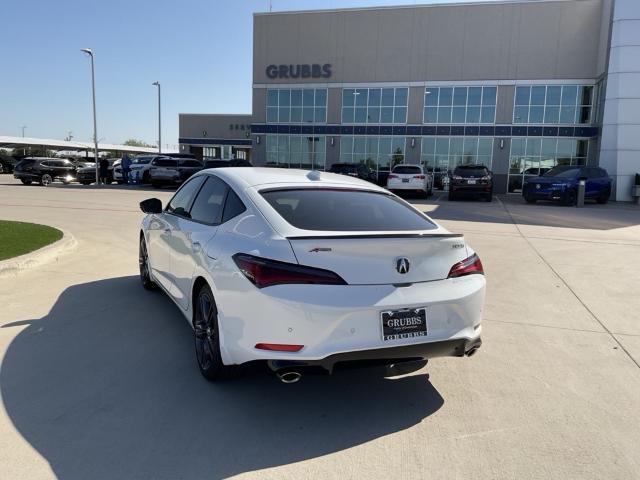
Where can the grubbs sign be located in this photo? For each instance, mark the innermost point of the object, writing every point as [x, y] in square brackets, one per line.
[314, 70]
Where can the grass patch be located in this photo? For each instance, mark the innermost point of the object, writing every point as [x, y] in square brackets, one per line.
[18, 238]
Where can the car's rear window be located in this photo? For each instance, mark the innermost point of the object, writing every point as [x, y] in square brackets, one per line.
[141, 160]
[345, 210]
[471, 171]
[216, 163]
[165, 162]
[406, 170]
[190, 163]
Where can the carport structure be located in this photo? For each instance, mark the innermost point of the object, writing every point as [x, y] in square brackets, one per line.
[40, 146]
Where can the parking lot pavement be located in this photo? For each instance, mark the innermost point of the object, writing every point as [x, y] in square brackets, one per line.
[98, 378]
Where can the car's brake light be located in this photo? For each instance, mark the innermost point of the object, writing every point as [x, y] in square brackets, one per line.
[279, 347]
[392, 176]
[420, 177]
[468, 266]
[263, 272]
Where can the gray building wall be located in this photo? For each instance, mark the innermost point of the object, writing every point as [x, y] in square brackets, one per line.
[209, 126]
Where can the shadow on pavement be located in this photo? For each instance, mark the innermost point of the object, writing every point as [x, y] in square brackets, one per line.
[512, 208]
[106, 386]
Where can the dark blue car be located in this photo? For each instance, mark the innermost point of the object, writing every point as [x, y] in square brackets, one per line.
[561, 184]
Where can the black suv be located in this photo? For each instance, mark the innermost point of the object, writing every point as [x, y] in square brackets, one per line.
[472, 180]
[235, 162]
[44, 170]
[359, 170]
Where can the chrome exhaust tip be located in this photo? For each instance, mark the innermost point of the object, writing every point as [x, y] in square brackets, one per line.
[472, 351]
[289, 377]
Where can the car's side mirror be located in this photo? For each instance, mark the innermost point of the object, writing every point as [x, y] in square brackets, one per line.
[151, 205]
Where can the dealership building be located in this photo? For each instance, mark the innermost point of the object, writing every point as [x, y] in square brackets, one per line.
[518, 86]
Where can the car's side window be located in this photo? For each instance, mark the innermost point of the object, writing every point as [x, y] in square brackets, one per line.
[232, 207]
[209, 204]
[181, 202]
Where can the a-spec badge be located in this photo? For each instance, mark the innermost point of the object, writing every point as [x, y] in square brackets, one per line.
[319, 249]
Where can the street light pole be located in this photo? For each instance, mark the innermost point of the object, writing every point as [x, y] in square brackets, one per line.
[89, 52]
[23, 127]
[157, 84]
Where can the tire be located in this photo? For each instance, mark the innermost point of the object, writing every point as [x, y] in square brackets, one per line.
[529, 199]
[25, 181]
[206, 337]
[570, 198]
[156, 185]
[46, 180]
[451, 196]
[85, 183]
[604, 198]
[145, 177]
[489, 197]
[143, 264]
[430, 192]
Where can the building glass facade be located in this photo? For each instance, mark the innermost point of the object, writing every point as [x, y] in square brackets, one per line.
[297, 105]
[380, 153]
[460, 104]
[553, 104]
[296, 151]
[441, 154]
[375, 105]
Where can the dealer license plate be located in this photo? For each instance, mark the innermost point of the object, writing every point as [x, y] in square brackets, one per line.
[471, 182]
[405, 180]
[405, 323]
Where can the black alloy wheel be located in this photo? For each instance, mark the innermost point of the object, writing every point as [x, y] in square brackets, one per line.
[143, 263]
[207, 338]
[46, 180]
[570, 198]
[604, 197]
[25, 182]
[529, 199]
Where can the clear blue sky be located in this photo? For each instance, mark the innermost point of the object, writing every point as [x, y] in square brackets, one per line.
[199, 50]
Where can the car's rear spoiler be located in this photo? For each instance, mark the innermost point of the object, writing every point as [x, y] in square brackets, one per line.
[378, 235]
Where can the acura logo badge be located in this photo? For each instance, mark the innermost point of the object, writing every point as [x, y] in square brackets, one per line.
[402, 265]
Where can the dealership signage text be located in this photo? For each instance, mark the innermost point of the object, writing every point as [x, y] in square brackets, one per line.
[314, 70]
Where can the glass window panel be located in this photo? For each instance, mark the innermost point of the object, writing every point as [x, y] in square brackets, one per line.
[567, 115]
[533, 147]
[456, 145]
[428, 145]
[444, 114]
[295, 143]
[387, 97]
[307, 114]
[347, 115]
[473, 115]
[517, 146]
[346, 144]
[374, 97]
[284, 114]
[431, 115]
[553, 95]
[384, 145]
[475, 96]
[284, 99]
[551, 114]
[522, 95]
[348, 97]
[584, 115]
[308, 97]
[296, 98]
[361, 97]
[400, 115]
[321, 97]
[359, 145]
[398, 144]
[488, 115]
[582, 148]
[372, 145]
[485, 146]
[431, 97]
[548, 147]
[569, 95]
[536, 114]
[401, 97]
[446, 96]
[470, 146]
[458, 115]
[360, 115]
[272, 98]
[537, 95]
[373, 115]
[296, 114]
[386, 115]
[484, 160]
[489, 95]
[521, 115]
[272, 114]
[566, 147]
[320, 115]
[586, 94]
[460, 96]
[442, 145]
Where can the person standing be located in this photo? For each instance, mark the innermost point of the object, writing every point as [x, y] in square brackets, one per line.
[104, 170]
[126, 166]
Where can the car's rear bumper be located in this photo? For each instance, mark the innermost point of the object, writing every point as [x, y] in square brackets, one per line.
[552, 194]
[410, 186]
[470, 189]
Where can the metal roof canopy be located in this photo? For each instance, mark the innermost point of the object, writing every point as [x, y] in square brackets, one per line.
[52, 144]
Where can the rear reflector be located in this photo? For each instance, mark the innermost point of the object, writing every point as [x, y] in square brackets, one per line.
[468, 266]
[263, 272]
[279, 347]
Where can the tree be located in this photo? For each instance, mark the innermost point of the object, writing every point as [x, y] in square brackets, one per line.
[134, 142]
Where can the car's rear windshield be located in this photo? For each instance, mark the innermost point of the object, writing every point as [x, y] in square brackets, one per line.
[563, 171]
[190, 163]
[471, 171]
[165, 162]
[141, 160]
[406, 170]
[345, 210]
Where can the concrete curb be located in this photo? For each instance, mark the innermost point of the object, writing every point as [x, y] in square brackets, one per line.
[46, 254]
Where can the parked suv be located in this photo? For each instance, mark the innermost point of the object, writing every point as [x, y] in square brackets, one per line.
[359, 170]
[471, 180]
[44, 170]
[561, 184]
[140, 165]
[172, 171]
[410, 178]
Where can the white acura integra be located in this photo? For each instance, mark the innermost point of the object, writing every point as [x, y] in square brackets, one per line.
[307, 270]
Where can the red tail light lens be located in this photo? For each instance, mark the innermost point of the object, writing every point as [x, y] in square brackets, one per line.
[420, 177]
[392, 176]
[263, 272]
[279, 347]
[468, 266]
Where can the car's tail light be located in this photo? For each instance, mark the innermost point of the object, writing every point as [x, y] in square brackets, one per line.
[279, 347]
[420, 177]
[263, 272]
[392, 176]
[468, 266]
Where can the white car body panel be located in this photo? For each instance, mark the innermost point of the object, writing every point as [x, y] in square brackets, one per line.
[326, 319]
[408, 181]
